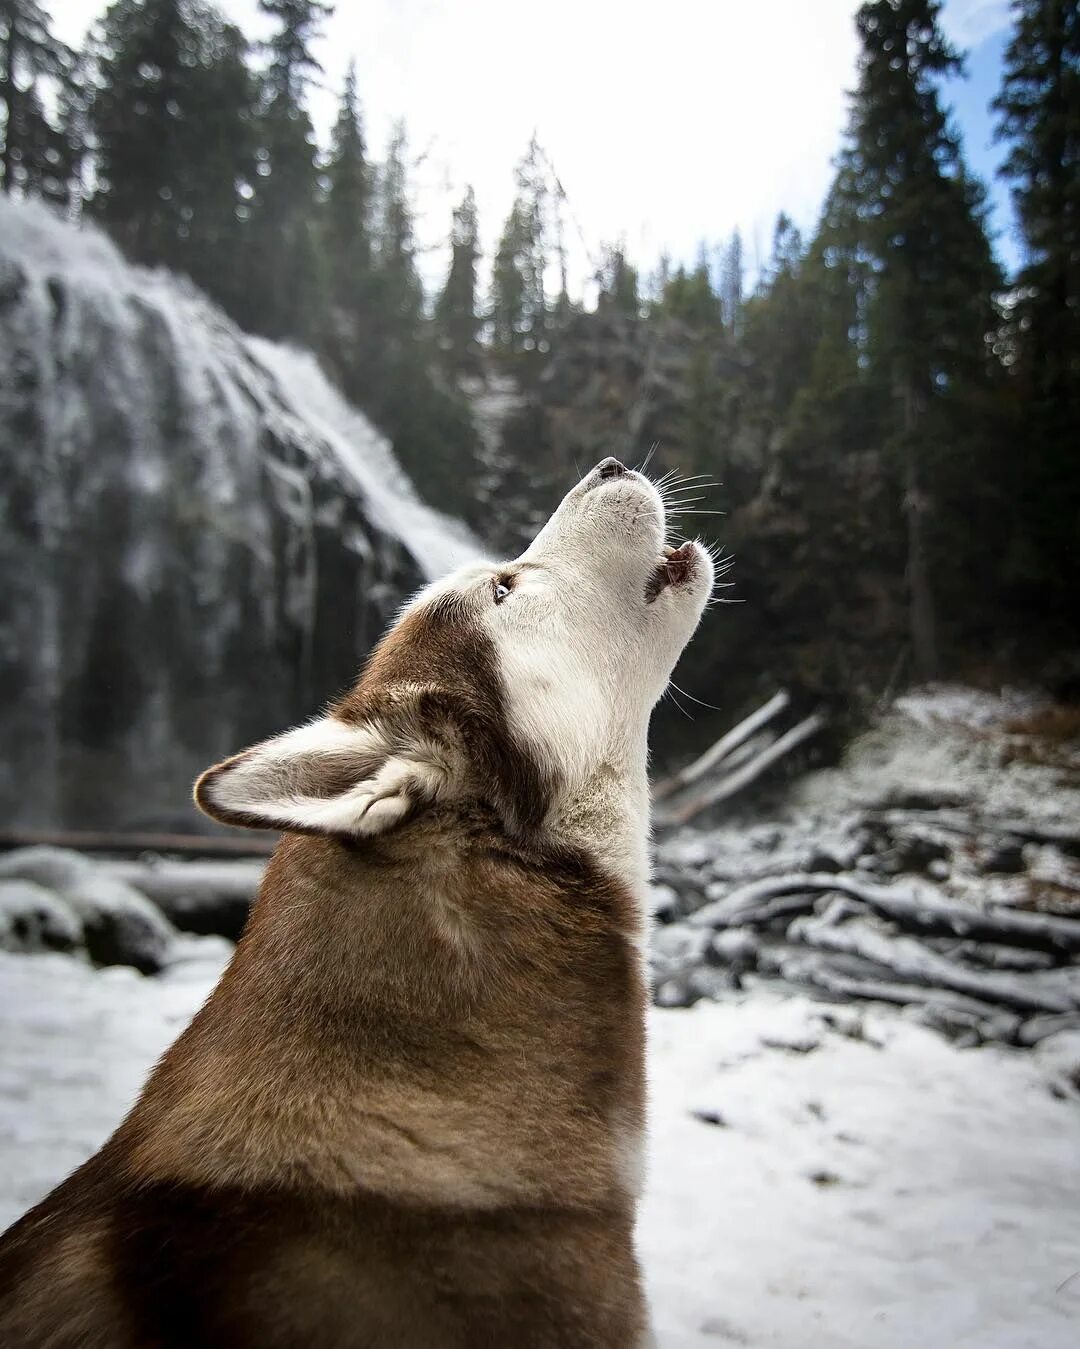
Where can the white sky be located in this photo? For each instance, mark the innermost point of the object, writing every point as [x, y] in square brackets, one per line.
[668, 122]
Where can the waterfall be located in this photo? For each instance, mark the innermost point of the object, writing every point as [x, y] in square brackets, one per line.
[199, 539]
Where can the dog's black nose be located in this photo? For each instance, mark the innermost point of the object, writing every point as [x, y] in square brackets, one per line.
[611, 468]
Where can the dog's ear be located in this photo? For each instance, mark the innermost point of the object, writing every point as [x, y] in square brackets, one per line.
[329, 777]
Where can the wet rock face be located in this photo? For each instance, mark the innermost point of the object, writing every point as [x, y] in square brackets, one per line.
[186, 564]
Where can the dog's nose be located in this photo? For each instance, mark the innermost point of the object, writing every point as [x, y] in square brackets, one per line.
[611, 468]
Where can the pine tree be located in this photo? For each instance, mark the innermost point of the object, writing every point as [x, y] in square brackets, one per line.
[35, 155]
[286, 282]
[916, 216]
[691, 297]
[520, 313]
[780, 327]
[401, 296]
[348, 200]
[731, 284]
[170, 114]
[1039, 108]
[617, 283]
[456, 315]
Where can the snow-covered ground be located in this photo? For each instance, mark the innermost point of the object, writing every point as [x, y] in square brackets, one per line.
[819, 1176]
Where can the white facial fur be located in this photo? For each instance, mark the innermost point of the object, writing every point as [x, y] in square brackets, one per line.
[584, 648]
[585, 656]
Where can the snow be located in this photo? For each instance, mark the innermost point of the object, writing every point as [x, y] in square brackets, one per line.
[944, 741]
[817, 1175]
[226, 381]
[438, 542]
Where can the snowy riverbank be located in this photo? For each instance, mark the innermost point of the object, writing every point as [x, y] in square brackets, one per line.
[823, 1174]
[818, 1176]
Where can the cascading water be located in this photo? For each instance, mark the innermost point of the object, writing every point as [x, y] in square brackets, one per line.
[199, 539]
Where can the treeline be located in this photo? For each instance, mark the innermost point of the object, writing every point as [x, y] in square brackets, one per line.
[896, 422]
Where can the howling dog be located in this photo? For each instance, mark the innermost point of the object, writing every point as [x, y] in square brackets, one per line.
[410, 1114]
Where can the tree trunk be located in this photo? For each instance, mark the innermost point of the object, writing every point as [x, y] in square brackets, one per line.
[9, 94]
[923, 625]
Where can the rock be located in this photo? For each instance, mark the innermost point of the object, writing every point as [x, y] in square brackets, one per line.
[54, 868]
[736, 946]
[676, 947]
[714, 982]
[224, 535]
[675, 993]
[735, 951]
[664, 903]
[208, 898]
[33, 919]
[764, 838]
[1006, 858]
[821, 861]
[121, 926]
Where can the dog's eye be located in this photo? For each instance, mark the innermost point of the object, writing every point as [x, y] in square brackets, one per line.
[499, 588]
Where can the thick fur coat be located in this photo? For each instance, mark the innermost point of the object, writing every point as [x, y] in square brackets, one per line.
[410, 1114]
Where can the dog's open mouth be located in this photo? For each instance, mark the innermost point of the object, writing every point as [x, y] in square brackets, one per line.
[673, 569]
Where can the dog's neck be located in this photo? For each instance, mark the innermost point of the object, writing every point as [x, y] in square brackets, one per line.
[606, 815]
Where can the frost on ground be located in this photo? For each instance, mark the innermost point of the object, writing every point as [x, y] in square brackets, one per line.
[818, 1176]
[937, 866]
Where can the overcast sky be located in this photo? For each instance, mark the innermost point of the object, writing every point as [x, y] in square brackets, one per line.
[669, 123]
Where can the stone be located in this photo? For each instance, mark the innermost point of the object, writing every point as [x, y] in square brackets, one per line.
[54, 868]
[34, 919]
[121, 926]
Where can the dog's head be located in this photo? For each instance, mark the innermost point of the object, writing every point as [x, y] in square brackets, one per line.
[524, 688]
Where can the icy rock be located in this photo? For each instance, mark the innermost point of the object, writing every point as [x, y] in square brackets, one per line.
[1005, 858]
[176, 490]
[1059, 1054]
[33, 919]
[54, 868]
[121, 926]
[821, 861]
[675, 993]
[664, 903]
[736, 948]
[675, 948]
[711, 981]
[210, 898]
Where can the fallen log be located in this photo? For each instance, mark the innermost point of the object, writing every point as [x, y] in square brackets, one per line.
[954, 1010]
[198, 896]
[740, 907]
[728, 742]
[915, 908]
[915, 963]
[739, 778]
[1066, 837]
[97, 840]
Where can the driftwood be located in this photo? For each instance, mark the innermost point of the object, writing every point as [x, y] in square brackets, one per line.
[911, 961]
[725, 787]
[722, 749]
[1065, 837]
[950, 1010]
[92, 840]
[922, 909]
[979, 972]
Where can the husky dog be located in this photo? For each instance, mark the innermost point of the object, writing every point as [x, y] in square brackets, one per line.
[410, 1114]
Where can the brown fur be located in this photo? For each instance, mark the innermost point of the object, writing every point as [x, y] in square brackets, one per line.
[401, 1119]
